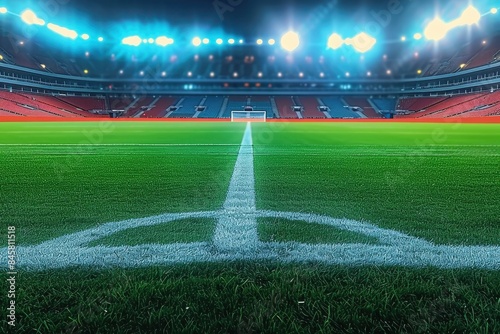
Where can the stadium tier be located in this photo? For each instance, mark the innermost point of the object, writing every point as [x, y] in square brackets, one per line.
[284, 107]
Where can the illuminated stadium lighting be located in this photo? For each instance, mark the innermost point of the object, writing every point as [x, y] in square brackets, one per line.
[388, 72]
[347, 74]
[322, 75]
[290, 41]
[219, 41]
[132, 41]
[335, 41]
[121, 72]
[65, 32]
[403, 38]
[3, 10]
[164, 41]
[436, 30]
[492, 11]
[1, 57]
[87, 53]
[43, 66]
[190, 74]
[241, 41]
[206, 41]
[470, 16]
[231, 41]
[368, 74]
[260, 74]
[196, 41]
[362, 42]
[280, 74]
[163, 74]
[151, 40]
[145, 41]
[419, 72]
[260, 41]
[85, 71]
[212, 74]
[418, 36]
[100, 39]
[85, 37]
[272, 41]
[462, 65]
[235, 74]
[301, 74]
[141, 73]
[30, 18]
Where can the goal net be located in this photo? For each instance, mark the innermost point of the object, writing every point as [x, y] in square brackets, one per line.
[248, 116]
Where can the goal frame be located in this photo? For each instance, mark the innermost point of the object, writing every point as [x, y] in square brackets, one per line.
[247, 116]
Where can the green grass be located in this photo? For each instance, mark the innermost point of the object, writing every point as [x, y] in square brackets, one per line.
[283, 230]
[435, 181]
[397, 176]
[259, 298]
[179, 231]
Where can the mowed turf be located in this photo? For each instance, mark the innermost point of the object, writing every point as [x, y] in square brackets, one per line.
[435, 181]
[440, 182]
[66, 177]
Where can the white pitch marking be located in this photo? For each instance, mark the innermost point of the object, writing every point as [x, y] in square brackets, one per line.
[237, 230]
[236, 239]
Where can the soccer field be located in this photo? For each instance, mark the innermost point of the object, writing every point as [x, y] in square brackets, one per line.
[266, 227]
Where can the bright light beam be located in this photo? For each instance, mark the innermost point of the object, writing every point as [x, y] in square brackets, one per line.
[30, 18]
[3, 10]
[436, 30]
[196, 41]
[132, 41]
[65, 32]
[469, 17]
[363, 42]
[335, 41]
[164, 41]
[290, 41]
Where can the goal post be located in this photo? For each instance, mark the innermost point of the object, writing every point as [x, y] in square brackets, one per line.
[248, 116]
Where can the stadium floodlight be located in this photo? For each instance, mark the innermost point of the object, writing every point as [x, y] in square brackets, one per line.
[85, 37]
[30, 18]
[3, 10]
[196, 41]
[101, 39]
[260, 41]
[470, 16]
[164, 41]
[271, 41]
[219, 41]
[151, 40]
[132, 41]
[492, 10]
[231, 41]
[417, 36]
[335, 41]
[290, 41]
[206, 41]
[65, 32]
[362, 42]
[241, 41]
[436, 30]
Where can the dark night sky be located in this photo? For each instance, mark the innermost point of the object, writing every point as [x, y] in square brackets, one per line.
[252, 17]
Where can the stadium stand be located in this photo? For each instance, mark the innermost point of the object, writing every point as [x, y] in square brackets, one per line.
[187, 107]
[311, 107]
[159, 110]
[366, 108]
[338, 109]
[285, 107]
[213, 105]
